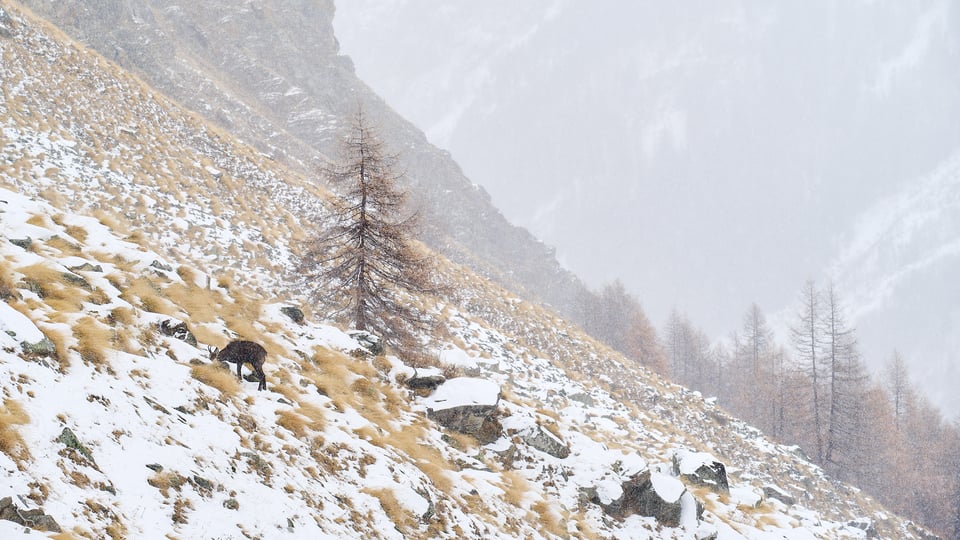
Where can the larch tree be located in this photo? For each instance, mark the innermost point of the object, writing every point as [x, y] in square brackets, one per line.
[643, 344]
[846, 383]
[807, 344]
[755, 396]
[363, 266]
[899, 387]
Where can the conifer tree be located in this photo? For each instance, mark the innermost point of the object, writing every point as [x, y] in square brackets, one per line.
[363, 263]
[847, 384]
[808, 343]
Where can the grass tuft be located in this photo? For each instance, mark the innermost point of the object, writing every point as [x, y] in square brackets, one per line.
[11, 443]
[216, 376]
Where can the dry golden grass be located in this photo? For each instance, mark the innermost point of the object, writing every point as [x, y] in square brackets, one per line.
[64, 535]
[300, 420]
[202, 305]
[77, 233]
[108, 220]
[63, 245]
[39, 220]
[7, 282]
[217, 377]
[42, 276]
[147, 294]
[93, 338]
[11, 444]
[61, 343]
[187, 274]
[549, 520]
[515, 487]
[122, 316]
[409, 440]
[402, 518]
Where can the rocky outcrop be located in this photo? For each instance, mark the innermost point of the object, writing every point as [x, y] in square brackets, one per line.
[294, 313]
[178, 330]
[771, 491]
[425, 379]
[701, 469]
[33, 517]
[467, 405]
[655, 495]
[5, 24]
[477, 421]
[43, 348]
[546, 442]
[369, 343]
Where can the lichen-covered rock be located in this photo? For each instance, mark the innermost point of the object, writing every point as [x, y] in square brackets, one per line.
[69, 439]
[546, 442]
[866, 525]
[160, 266]
[771, 491]
[655, 495]
[87, 267]
[24, 243]
[179, 331]
[368, 342]
[429, 378]
[43, 348]
[467, 405]
[701, 469]
[6, 25]
[33, 518]
[295, 313]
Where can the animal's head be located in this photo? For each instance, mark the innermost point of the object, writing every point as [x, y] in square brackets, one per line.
[213, 352]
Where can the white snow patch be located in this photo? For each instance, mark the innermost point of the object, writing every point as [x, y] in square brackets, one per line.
[463, 391]
[669, 488]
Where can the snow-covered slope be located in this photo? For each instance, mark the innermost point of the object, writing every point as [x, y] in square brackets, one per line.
[121, 212]
[272, 74]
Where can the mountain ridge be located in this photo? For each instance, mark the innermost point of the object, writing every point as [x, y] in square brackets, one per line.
[273, 75]
[189, 224]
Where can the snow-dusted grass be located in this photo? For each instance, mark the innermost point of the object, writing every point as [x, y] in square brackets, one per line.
[178, 222]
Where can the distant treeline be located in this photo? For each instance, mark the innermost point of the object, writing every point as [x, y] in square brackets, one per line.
[877, 433]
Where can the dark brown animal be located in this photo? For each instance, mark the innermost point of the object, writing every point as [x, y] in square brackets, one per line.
[240, 352]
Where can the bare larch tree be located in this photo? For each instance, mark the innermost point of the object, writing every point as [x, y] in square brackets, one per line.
[363, 266]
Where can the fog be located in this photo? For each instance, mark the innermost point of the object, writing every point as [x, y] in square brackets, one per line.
[708, 154]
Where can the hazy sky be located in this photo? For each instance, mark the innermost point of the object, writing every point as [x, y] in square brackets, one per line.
[709, 154]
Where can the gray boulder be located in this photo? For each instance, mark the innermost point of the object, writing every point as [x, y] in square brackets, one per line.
[478, 421]
[701, 469]
[425, 379]
[178, 330]
[467, 405]
[6, 25]
[643, 496]
[771, 491]
[368, 342]
[42, 348]
[546, 442]
[33, 518]
[295, 313]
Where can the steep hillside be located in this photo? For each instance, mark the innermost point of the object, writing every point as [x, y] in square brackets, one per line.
[271, 73]
[123, 214]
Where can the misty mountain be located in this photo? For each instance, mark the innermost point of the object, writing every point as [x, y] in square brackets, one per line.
[272, 73]
[123, 214]
[709, 154]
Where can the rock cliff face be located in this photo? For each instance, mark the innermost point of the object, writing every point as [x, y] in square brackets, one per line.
[271, 73]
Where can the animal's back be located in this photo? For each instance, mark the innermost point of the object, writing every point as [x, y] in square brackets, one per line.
[245, 351]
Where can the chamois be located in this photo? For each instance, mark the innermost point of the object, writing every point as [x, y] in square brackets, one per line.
[240, 352]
